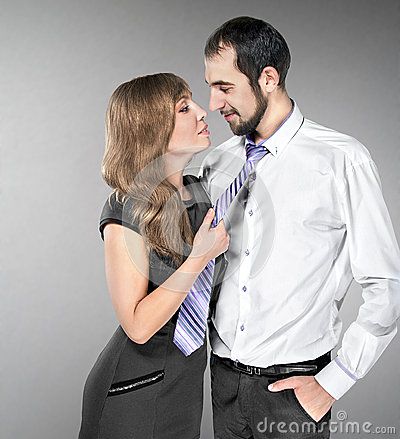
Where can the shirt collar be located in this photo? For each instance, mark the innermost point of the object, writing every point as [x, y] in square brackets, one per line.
[285, 132]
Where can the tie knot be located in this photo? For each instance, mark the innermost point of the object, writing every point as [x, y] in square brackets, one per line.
[255, 152]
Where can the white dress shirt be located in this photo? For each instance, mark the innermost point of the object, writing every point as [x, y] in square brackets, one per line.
[309, 220]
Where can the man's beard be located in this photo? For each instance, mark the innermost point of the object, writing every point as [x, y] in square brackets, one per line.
[249, 126]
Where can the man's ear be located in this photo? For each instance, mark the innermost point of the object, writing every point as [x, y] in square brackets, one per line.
[269, 79]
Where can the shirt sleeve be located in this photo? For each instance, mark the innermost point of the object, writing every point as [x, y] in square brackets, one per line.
[117, 212]
[375, 264]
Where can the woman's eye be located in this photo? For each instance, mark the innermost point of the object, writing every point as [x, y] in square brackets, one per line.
[185, 109]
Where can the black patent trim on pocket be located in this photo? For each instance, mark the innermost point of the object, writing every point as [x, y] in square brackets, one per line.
[136, 383]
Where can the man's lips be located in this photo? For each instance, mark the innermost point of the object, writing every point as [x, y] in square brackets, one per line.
[229, 116]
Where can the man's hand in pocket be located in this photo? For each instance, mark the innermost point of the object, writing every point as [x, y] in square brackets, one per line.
[315, 400]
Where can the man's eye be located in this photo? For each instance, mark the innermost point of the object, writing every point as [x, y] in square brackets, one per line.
[225, 90]
[185, 109]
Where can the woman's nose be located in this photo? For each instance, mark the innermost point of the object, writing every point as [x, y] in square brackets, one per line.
[202, 113]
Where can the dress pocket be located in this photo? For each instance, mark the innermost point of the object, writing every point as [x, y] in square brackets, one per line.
[135, 383]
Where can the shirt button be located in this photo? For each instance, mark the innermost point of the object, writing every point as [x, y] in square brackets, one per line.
[244, 288]
[247, 252]
[242, 328]
[250, 212]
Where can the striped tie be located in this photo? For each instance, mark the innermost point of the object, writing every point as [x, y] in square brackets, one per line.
[192, 319]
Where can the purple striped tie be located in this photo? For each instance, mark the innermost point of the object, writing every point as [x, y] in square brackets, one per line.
[192, 319]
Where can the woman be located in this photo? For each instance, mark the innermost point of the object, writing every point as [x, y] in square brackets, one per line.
[157, 240]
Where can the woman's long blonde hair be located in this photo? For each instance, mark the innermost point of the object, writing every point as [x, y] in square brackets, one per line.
[139, 123]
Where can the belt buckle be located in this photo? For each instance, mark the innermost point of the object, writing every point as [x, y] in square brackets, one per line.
[250, 370]
[247, 369]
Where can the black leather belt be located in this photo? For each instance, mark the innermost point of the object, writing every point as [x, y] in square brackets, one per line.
[279, 369]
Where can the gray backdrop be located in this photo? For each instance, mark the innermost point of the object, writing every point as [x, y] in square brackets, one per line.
[60, 61]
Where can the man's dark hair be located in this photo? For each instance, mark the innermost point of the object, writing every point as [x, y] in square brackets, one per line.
[257, 45]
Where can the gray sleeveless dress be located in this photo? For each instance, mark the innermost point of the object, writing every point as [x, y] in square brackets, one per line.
[151, 390]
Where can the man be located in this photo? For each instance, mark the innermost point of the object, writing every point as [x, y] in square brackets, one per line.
[309, 217]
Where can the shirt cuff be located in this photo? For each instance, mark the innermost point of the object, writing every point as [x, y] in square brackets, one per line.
[335, 378]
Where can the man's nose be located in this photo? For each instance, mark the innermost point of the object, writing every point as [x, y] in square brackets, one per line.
[216, 103]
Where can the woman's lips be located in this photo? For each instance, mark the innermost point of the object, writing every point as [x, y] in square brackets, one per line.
[204, 131]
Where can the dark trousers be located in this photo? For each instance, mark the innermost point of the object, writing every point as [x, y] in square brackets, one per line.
[243, 407]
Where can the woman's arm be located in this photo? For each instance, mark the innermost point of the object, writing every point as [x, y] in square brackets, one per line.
[127, 272]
